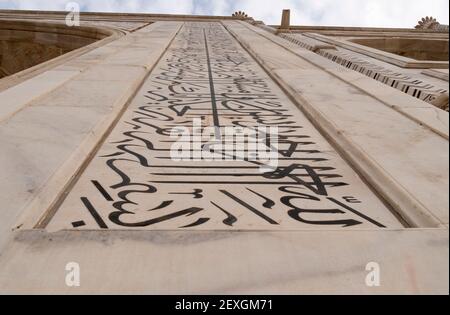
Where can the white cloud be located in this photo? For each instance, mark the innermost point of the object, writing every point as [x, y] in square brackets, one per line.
[387, 13]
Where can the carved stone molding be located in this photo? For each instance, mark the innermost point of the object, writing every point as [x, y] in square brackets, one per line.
[399, 80]
[430, 23]
[240, 14]
[427, 22]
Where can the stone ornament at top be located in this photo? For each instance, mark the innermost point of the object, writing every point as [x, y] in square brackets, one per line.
[430, 23]
[240, 14]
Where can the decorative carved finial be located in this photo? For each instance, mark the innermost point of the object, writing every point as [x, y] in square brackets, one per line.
[427, 23]
[285, 19]
[240, 15]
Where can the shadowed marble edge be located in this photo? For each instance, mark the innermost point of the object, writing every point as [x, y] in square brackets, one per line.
[102, 35]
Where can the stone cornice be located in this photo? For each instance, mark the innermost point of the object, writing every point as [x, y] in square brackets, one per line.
[117, 17]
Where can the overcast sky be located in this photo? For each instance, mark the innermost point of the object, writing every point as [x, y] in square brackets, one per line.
[387, 13]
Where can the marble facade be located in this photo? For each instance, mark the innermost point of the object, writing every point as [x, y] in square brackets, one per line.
[86, 121]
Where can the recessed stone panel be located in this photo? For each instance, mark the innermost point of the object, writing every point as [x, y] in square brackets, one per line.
[25, 44]
[134, 183]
